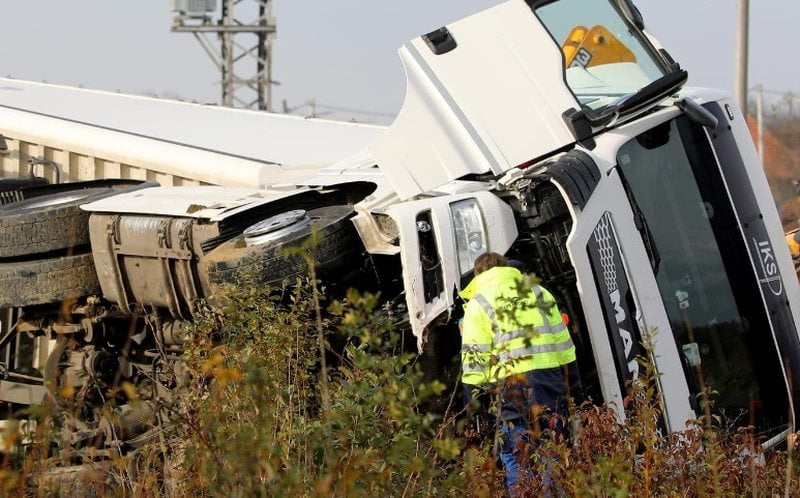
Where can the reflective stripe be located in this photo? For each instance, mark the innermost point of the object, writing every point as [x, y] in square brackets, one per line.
[543, 329]
[546, 328]
[482, 362]
[546, 319]
[560, 327]
[476, 348]
[532, 350]
[484, 303]
[474, 368]
[467, 350]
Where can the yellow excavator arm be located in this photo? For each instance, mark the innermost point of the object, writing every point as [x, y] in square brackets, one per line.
[594, 47]
[793, 241]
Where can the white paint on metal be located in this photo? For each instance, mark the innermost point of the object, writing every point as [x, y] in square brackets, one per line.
[501, 233]
[358, 167]
[462, 115]
[768, 210]
[210, 203]
[609, 196]
[94, 134]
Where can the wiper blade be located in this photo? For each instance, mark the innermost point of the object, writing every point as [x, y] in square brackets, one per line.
[585, 121]
[659, 89]
[642, 227]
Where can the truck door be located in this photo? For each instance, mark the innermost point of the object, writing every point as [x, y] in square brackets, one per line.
[618, 292]
[440, 238]
[713, 296]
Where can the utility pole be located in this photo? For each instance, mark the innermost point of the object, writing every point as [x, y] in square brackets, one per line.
[740, 86]
[760, 117]
[245, 64]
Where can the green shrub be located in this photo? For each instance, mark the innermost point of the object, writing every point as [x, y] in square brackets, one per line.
[280, 399]
[254, 421]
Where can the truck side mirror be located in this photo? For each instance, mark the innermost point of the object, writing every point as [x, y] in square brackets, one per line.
[697, 113]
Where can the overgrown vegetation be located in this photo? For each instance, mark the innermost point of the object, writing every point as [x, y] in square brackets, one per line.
[252, 418]
[781, 137]
[255, 421]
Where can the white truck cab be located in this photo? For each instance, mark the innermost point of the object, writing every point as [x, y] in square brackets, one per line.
[641, 204]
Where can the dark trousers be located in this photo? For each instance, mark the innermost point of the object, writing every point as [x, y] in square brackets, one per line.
[527, 404]
[547, 388]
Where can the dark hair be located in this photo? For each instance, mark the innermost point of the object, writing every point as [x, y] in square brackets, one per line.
[489, 260]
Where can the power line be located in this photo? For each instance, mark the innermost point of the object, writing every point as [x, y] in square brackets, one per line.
[782, 93]
[315, 106]
[357, 111]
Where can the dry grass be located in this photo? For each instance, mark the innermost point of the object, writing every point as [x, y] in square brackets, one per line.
[252, 420]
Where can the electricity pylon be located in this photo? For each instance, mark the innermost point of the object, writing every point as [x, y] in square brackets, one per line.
[245, 66]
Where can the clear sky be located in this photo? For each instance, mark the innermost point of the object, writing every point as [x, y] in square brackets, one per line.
[343, 53]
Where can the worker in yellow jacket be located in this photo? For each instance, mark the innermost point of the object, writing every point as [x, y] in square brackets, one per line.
[514, 339]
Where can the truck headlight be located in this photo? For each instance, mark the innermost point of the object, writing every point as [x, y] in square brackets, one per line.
[470, 232]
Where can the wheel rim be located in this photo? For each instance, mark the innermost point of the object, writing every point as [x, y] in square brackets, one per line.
[277, 226]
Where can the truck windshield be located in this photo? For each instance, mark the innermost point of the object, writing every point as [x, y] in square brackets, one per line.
[705, 275]
[605, 56]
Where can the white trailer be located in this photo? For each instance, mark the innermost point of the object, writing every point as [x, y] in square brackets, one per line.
[93, 135]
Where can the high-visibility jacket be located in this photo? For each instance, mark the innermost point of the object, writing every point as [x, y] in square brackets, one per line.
[507, 330]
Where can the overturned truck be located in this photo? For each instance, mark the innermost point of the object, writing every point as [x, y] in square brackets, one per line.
[558, 132]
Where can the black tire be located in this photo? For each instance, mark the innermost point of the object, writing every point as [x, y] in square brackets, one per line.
[118, 184]
[47, 280]
[234, 262]
[7, 184]
[48, 223]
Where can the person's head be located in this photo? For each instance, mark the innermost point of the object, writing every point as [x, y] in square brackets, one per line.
[489, 260]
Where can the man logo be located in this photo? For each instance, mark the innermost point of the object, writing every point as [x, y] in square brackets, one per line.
[625, 335]
[620, 313]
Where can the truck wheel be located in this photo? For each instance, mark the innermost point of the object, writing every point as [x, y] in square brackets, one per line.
[47, 280]
[48, 223]
[266, 263]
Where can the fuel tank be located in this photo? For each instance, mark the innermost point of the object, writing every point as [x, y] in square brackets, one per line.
[150, 261]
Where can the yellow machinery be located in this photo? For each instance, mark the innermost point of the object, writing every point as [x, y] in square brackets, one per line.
[793, 241]
[594, 47]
